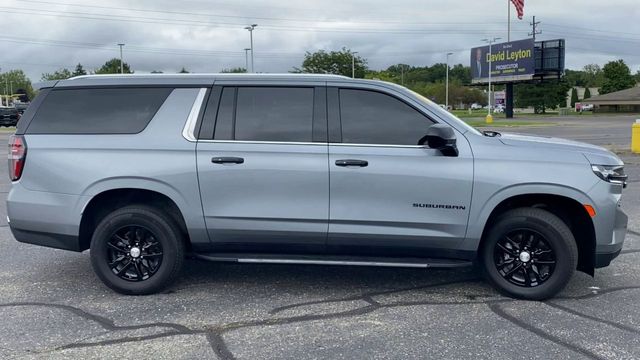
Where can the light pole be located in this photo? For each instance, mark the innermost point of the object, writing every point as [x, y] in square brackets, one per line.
[446, 102]
[246, 59]
[121, 63]
[353, 64]
[251, 28]
[490, 41]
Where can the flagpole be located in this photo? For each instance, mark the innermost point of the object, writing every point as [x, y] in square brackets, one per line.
[508, 20]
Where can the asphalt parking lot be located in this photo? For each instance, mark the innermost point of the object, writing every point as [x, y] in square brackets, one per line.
[53, 306]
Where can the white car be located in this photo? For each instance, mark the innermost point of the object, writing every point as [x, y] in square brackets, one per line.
[476, 106]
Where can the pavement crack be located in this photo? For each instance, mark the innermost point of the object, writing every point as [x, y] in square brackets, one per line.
[496, 309]
[368, 295]
[218, 346]
[593, 318]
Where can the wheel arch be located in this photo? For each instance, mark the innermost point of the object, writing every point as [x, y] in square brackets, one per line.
[566, 203]
[108, 200]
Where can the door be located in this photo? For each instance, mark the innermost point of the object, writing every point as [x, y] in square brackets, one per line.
[263, 174]
[388, 195]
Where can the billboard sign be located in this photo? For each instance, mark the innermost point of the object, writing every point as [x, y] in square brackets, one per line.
[511, 61]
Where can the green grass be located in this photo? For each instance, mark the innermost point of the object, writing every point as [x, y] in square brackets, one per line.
[7, 129]
[499, 123]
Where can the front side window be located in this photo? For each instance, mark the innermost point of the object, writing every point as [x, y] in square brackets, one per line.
[274, 114]
[370, 117]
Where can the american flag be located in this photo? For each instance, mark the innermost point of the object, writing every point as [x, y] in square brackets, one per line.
[519, 4]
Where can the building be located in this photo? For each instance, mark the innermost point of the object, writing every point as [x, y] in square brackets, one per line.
[620, 101]
[581, 90]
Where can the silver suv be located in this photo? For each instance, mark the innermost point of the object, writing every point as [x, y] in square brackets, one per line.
[304, 169]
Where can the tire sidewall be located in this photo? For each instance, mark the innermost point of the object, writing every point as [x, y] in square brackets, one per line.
[565, 260]
[164, 233]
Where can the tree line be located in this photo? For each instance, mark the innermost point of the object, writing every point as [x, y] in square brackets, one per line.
[428, 81]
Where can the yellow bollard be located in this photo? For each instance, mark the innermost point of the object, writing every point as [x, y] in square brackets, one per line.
[635, 137]
[489, 119]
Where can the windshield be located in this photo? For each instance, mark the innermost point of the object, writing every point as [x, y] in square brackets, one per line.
[444, 113]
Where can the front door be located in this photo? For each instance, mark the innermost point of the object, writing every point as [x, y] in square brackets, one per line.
[388, 195]
[264, 180]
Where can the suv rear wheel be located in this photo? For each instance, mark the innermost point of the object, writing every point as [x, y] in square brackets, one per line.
[137, 250]
[529, 253]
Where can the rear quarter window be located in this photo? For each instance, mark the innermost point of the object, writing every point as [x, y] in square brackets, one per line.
[97, 111]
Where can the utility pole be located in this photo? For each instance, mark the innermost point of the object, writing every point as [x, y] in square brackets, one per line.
[508, 20]
[534, 26]
[251, 28]
[246, 59]
[446, 102]
[353, 64]
[121, 63]
[490, 41]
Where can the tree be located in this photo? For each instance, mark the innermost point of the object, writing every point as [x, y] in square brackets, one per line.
[617, 77]
[113, 67]
[183, 71]
[18, 82]
[541, 96]
[60, 74]
[637, 76]
[593, 75]
[587, 94]
[236, 70]
[574, 97]
[79, 71]
[334, 62]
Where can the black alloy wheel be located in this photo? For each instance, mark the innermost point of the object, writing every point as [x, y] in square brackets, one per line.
[523, 257]
[134, 253]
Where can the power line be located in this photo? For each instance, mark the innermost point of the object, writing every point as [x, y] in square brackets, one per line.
[165, 21]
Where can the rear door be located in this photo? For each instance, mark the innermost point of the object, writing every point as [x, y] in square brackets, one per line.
[262, 167]
[389, 195]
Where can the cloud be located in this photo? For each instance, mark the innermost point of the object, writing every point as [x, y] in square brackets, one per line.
[208, 36]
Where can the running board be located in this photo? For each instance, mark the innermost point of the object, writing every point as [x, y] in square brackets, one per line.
[334, 260]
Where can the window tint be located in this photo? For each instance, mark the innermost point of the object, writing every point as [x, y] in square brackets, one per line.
[224, 120]
[274, 114]
[97, 111]
[369, 117]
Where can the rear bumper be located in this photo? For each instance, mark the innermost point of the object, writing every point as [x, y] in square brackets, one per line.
[44, 218]
[57, 241]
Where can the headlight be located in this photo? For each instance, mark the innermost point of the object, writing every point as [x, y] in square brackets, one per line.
[611, 173]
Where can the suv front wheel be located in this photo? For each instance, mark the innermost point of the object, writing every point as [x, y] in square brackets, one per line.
[529, 253]
[137, 250]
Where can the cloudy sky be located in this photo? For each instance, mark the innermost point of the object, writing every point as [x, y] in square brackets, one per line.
[208, 35]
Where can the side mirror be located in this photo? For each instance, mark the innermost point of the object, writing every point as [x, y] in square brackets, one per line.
[441, 137]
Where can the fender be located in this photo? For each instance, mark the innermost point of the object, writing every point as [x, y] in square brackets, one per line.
[479, 214]
[188, 204]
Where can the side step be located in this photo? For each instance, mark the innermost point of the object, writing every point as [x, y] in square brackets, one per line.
[334, 260]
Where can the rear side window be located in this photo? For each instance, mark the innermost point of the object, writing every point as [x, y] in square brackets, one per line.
[98, 111]
[274, 114]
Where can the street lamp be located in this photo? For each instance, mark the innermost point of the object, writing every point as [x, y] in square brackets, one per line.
[353, 64]
[251, 28]
[490, 41]
[446, 102]
[121, 64]
[246, 59]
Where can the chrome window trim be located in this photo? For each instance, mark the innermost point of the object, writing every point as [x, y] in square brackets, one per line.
[309, 143]
[188, 132]
[263, 142]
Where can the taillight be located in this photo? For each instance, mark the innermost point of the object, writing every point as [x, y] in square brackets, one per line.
[17, 156]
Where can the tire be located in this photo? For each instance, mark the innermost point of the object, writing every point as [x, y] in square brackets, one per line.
[546, 254]
[147, 229]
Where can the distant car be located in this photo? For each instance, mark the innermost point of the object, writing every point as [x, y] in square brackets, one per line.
[586, 107]
[499, 109]
[21, 107]
[9, 116]
[476, 106]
